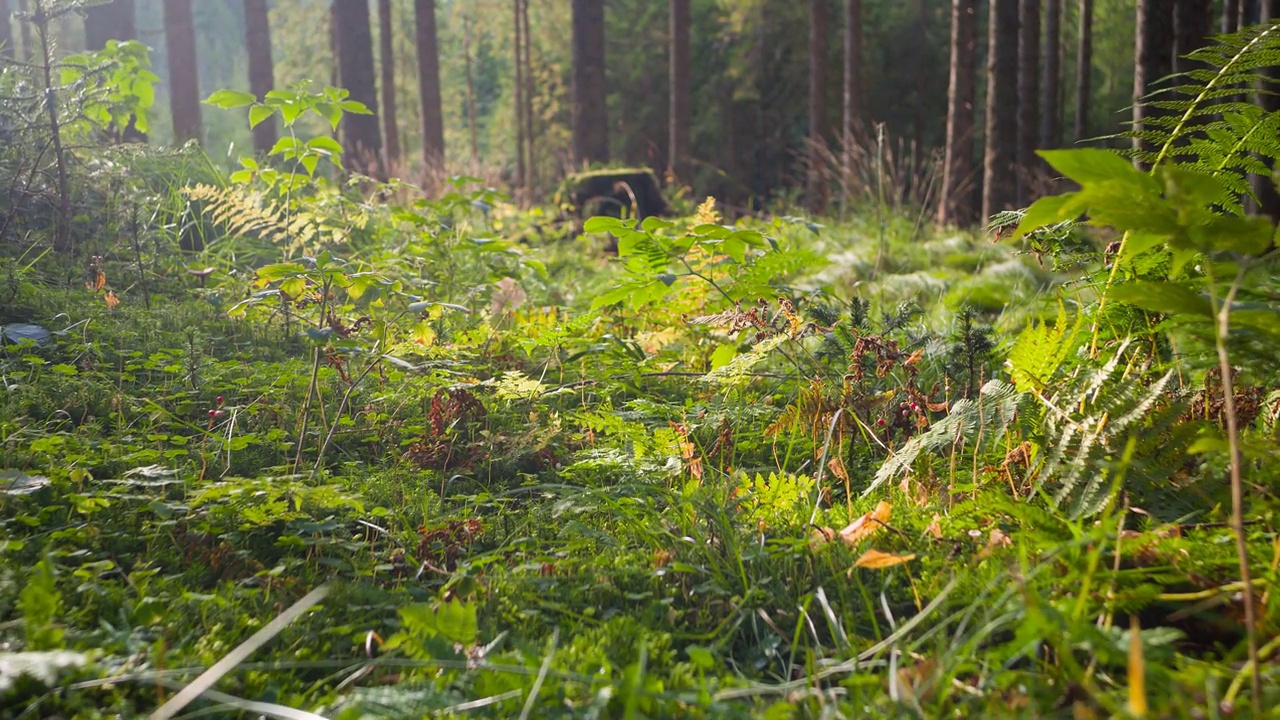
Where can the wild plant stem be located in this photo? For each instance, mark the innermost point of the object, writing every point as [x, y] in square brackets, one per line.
[337, 417]
[1222, 327]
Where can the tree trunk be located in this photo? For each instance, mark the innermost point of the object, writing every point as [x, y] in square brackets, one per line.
[1264, 187]
[1230, 16]
[1084, 71]
[1028, 96]
[818, 26]
[184, 79]
[361, 137]
[387, 66]
[6, 30]
[852, 88]
[590, 116]
[262, 73]
[522, 172]
[1051, 104]
[1153, 60]
[429, 84]
[113, 21]
[999, 164]
[529, 137]
[956, 204]
[681, 85]
[1250, 13]
[28, 44]
[471, 93]
[1192, 23]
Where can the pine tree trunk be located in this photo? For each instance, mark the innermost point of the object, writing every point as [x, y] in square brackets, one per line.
[852, 89]
[681, 92]
[1028, 97]
[433, 150]
[113, 21]
[1250, 13]
[471, 94]
[1084, 71]
[1230, 16]
[1192, 23]
[956, 205]
[28, 44]
[262, 74]
[522, 173]
[387, 66]
[361, 137]
[1264, 187]
[6, 29]
[184, 79]
[529, 136]
[590, 116]
[818, 26]
[1153, 60]
[1000, 160]
[1051, 103]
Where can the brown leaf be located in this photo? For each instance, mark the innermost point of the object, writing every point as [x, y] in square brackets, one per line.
[820, 536]
[867, 525]
[111, 300]
[877, 560]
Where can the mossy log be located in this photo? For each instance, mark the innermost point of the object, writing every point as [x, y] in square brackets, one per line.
[618, 192]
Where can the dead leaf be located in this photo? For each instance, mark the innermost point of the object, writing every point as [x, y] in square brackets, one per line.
[1137, 671]
[997, 539]
[877, 560]
[820, 536]
[111, 300]
[836, 465]
[935, 527]
[868, 524]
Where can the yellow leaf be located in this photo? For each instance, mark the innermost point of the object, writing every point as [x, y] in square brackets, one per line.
[111, 300]
[1137, 671]
[865, 526]
[877, 560]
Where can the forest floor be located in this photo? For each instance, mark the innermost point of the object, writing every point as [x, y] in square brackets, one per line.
[766, 469]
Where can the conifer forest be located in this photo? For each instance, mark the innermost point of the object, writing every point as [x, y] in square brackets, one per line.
[783, 359]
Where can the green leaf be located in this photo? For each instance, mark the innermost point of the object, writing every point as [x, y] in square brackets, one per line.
[1230, 233]
[286, 144]
[1089, 166]
[1049, 210]
[1163, 297]
[603, 224]
[276, 271]
[227, 99]
[654, 224]
[325, 145]
[723, 355]
[260, 113]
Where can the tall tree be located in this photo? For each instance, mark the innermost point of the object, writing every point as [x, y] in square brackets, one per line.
[1051, 104]
[1028, 95]
[429, 83]
[522, 172]
[112, 21]
[681, 87]
[361, 135]
[184, 76]
[999, 162]
[262, 73]
[1192, 26]
[1230, 16]
[1153, 58]
[527, 61]
[818, 26]
[956, 205]
[28, 44]
[387, 65]
[590, 115]
[6, 29]
[853, 86]
[1084, 70]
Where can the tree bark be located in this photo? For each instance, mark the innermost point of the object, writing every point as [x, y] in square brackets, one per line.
[433, 150]
[999, 165]
[1051, 104]
[590, 115]
[1230, 16]
[530, 137]
[6, 29]
[1153, 60]
[113, 21]
[681, 85]
[1264, 187]
[956, 203]
[262, 73]
[852, 87]
[361, 137]
[387, 66]
[473, 131]
[184, 79]
[818, 132]
[28, 44]
[1028, 96]
[1192, 23]
[1084, 71]
[522, 172]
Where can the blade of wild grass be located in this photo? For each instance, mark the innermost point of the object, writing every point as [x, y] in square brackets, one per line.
[206, 680]
[542, 675]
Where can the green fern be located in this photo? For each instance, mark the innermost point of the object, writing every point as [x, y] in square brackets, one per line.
[1206, 127]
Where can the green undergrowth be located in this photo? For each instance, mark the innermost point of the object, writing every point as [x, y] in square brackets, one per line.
[754, 467]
